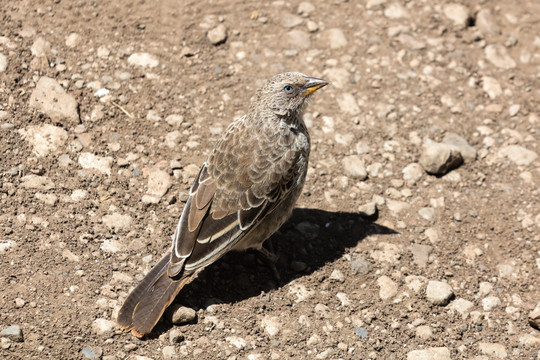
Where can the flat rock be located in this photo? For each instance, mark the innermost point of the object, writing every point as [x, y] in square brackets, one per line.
[486, 23]
[117, 221]
[518, 154]
[387, 252]
[360, 265]
[353, 167]
[368, 209]
[92, 352]
[72, 40]
[460, 143]
[159, 183]
[41, 47]
[498, 56]
[13, 332]
[335, 38]
[50, 98]
[420, 254]
[462, 306]
[94, 162]
[395, 11]
[217, 35]
[491, 302]
[6, 245]
[439, 293]
[438, 158]
[397, 207]
[37, 182]
[143, 60]
[434, 353]
[271, 325]
[493, 349]
[347, 103]
[305, 8]
[289, 20]
[44, 138]
[387, 287]
[298, 39]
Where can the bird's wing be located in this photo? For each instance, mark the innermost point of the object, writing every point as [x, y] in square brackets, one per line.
[233, 191]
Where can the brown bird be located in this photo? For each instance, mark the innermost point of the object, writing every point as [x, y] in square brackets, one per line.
[243, 193]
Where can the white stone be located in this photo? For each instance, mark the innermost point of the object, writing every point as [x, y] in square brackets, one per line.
[462, 306]
[439, 293]
[354, 167]
[41, 47]
[174, 120]
[271, 325]
[44, 138]
[347, 103]
[434, 353]
[412, 172]
[491, 86]
[159, 183]
[396, 11]
[387, 252]
[103, 327]
[439, 158]
[498, 56]
[336, 38]
[37, 182]
[493, 349]
[72, 40]
[217, 35]
[458, 13]
[143, 59]
[94, 162]
[3, 62]
[78, 195]
[387, 287]
[6, 245]
[298, 39]
[491, 302]
[236, 341]
[518, 154]
[117, 221]
[397, 207]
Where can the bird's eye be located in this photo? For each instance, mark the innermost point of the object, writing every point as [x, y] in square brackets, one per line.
[288, 89]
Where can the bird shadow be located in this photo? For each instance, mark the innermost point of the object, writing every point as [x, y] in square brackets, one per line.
[310, 239]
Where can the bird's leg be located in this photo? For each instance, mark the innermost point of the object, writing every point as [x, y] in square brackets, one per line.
[271, 258]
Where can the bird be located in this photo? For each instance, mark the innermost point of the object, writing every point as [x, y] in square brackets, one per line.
[243, 193]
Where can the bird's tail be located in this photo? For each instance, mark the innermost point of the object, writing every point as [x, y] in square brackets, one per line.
[147, 302]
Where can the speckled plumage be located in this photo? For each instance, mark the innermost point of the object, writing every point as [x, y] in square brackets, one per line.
[243, 193]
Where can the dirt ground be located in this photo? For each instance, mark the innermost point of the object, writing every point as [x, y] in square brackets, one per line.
[77, 233]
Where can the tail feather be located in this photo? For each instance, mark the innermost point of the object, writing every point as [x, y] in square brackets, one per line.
[146, 303]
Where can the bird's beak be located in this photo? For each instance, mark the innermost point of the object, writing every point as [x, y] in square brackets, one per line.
[312, 85]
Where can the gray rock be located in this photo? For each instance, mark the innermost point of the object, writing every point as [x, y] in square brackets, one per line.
[439, 293]
[459, 14]
[13, 333]
[94, 162]
[179, 315]
[169, 352]
[308, 229]
[298, 39]
[176, 336]
[44, 138]
[50, 98]
[486, 23]
[347, 103]
[360, 331]
[387, 287]
[412, 172]
[467, 151]
[289, 20]
[335, 38]
[159, 183]
[143, 60]
[462, 306]
[518, 154]
[493, 349]
[217, 35]
[360, 265]
[117, 221]
[427, 213]
[354, 167]
[433, 353]
[534, 317]
[491, 302]
[3, 62]
[103, 327]
[498, 56]
[72, 40]
[305, 8]
[438, 158]
[92, 352]
[420, 254]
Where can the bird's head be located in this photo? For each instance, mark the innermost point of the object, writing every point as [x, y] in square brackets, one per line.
[286, 94]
